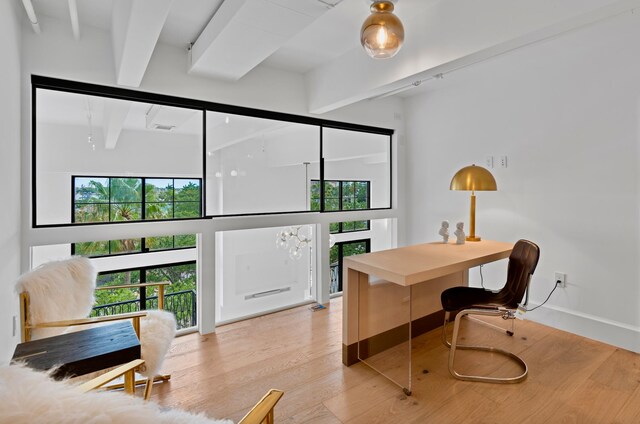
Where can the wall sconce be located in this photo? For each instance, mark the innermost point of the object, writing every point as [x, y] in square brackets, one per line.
[382, 33]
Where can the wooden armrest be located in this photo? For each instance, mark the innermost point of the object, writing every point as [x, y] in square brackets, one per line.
[110, 376]
[263, 408]
[92, 320]
[135, 286]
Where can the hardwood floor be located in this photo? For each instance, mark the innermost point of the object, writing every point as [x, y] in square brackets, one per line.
[571, 379]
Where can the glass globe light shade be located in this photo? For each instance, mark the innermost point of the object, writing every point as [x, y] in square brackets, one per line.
[295, 253]
[281, 240]
[382, 33]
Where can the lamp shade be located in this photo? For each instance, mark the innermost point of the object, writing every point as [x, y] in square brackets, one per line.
[473, 178]
[382, 33]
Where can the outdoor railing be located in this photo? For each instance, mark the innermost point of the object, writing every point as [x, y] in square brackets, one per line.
[333, 288]
[182, 304]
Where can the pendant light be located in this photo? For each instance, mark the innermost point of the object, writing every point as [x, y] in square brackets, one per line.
[382, 33]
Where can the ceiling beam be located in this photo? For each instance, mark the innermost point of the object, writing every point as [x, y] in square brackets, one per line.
[75, 21]
[443, 41]
[243, 33]
[135, 28]
[31, 14]
[114, 115]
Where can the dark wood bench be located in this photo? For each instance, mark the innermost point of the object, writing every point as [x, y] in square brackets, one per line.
[81, 352]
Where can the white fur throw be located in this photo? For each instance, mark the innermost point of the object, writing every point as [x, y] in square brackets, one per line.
[62, 290]
[157, 330]
[59, 290]
[30, 397]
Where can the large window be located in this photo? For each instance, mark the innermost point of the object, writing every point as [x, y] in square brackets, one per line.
[258, 165]
[354, 155]
[343, 196]
[179, 297]
[105, 199]
[247, 161]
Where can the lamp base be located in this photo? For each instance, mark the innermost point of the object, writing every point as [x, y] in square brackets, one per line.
[469, 238]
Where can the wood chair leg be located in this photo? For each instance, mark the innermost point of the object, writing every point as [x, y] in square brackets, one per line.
[147, 389]
[140, 382]
[130, 382]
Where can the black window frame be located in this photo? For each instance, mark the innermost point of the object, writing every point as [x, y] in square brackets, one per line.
[340, 198]
[143, 202]
[143, 248]
[340, 264]
[39, 82]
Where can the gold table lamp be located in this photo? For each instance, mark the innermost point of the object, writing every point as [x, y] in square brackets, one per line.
[473, 178]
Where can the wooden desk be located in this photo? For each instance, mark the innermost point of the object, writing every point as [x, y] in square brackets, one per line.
[393, 295]
[82, 352]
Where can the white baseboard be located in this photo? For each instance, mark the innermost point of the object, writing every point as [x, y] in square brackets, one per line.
[608, 331]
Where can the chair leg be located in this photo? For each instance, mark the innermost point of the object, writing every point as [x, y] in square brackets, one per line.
[129, 382]
[495, 327]
[140, 382]
[147, 388]
[444, 329]
[455, 346]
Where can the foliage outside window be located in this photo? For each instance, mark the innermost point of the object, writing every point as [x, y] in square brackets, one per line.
[180, 296]
[343, 196]
[94, 249]
[108, 199]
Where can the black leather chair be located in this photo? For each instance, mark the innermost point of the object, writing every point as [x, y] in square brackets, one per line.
[478, 301]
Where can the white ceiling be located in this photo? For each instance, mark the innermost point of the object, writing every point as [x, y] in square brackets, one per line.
[331, 36]
[322, 42]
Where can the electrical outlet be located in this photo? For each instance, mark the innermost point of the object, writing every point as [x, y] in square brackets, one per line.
[562, 277]
[503, 161]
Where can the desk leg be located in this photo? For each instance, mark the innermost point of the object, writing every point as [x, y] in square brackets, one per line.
[350, 292]
[426, 312]
[384, 329]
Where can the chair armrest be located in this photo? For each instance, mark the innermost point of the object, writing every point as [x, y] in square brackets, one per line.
[263, 408]
[92, 320]
[110, 376]
[135, 286]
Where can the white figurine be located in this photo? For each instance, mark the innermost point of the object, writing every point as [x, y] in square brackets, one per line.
[459, 232]
[444, 231]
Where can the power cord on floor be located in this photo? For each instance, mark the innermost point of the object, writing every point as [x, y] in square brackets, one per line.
[545, 301]
[481, 278]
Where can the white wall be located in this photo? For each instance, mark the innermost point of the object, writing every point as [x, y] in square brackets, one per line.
[566, 112]
[10, 237]
[248, 262]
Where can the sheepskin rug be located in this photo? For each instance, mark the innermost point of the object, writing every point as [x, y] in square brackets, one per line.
[31, 397]
[62, 290]
[157, 330]
[59, 290]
